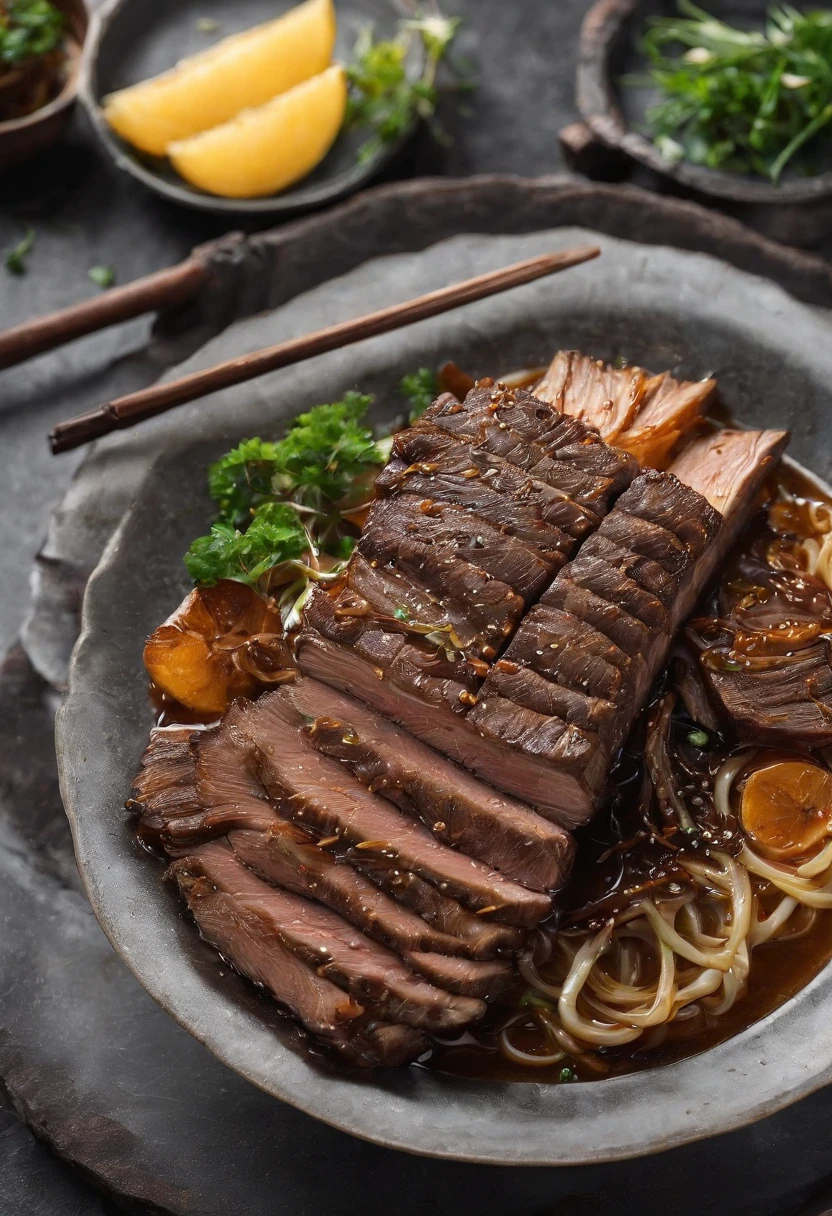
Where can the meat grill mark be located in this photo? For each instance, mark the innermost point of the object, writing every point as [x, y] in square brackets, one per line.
[586, 590]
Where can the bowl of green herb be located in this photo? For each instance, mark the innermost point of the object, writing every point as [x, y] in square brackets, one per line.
[391, 51]
[730, 98]
[40, 52]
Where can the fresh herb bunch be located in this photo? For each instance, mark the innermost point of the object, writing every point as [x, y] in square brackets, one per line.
[29, 29]
[283, 505]
[740, 100]
[420, 389]
[382, 95]
[274, 535]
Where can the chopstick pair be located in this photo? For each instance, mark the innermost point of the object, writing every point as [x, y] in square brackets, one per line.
[129, 410]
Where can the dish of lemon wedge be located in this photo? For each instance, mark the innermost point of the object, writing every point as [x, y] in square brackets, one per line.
[249, 116]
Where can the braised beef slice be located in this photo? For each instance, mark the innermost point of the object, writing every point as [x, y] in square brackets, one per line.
[525, 415]
[335, 950]
[289, 858]
[787, 703]
[542, 444]
[645, 572]
[244, 932]
[528, 688]
[569, 651]
[454, 535]
[317, 791]
[482, 980]
[662, 499]
[433, 465]
[195, 786]
[484, 939]
[456, 807]
[648, 539]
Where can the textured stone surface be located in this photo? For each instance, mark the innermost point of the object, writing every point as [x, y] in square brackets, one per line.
[85, 214]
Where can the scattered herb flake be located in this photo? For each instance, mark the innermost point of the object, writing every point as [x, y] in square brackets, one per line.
[699, 738]
[401, 614]
[568, 1074]
[102, 276]
[16, 257]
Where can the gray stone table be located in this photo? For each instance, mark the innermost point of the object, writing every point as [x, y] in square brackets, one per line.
[85, 213]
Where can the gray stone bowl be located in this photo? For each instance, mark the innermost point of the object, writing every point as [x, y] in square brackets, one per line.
[132, 40]
[657, 306]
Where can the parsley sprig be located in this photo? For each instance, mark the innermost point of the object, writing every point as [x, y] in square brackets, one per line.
[29, 29]
[384, 96]
[744, 101]
[289, 511]
[420, 389]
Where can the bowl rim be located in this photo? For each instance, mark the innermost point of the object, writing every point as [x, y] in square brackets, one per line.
[72, 85]
[283, 205]
[596, 100]
[392, 1110]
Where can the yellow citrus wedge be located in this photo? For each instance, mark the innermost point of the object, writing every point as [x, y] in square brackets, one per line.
[264, 150]
[207, 89]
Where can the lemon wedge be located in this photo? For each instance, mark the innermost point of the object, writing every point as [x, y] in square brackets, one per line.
[263, 151]
[208, 89]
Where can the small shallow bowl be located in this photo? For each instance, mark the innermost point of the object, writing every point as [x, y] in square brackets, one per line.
[657, 306]
[132, 40]
[615, 112]
[21, 138]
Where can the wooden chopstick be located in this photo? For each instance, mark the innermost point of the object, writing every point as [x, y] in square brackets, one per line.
[162, 289]
[128, 411]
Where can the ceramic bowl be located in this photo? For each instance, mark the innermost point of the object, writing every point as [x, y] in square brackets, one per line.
[656, 306]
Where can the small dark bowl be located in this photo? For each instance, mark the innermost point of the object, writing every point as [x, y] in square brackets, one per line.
[614, 112]
[132, 40]
[21, 138]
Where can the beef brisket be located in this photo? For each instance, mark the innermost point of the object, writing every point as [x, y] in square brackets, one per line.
[642, 414]
[456, 807]
[246, 933]
[631, 627]
[320, 794]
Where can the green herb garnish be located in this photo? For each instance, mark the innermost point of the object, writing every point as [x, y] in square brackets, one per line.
[274, 535]
[531, 999]
[16, 257]
[420, 389]
[102, 276]
[328, 458]
[29, 29]
[568, 1074]
[744, 101]
[207, 25]
[699, 738]
[383, 96]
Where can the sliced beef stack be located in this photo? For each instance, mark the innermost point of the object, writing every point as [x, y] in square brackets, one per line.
[562, 699]
[482, 503]
[511, 599]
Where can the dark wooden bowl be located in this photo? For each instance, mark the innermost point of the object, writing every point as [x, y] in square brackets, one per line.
[612, 111]
[21, 138]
